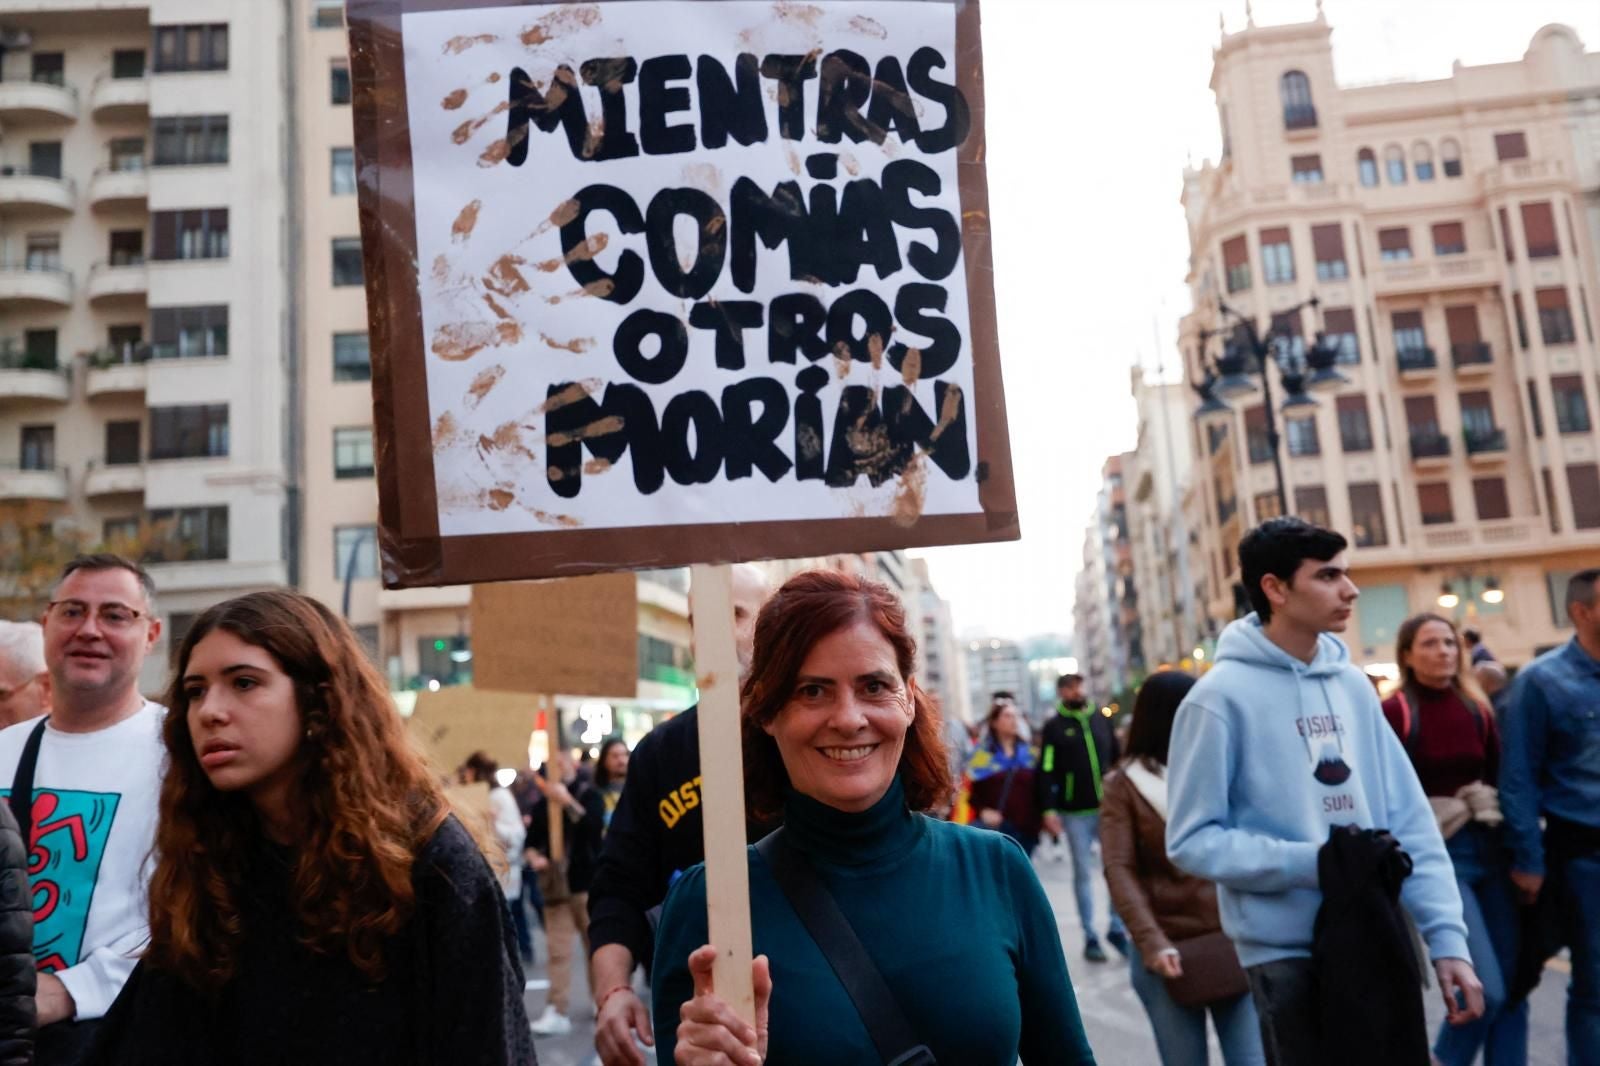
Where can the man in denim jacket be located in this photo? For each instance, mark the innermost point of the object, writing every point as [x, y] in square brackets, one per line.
[1551, 767]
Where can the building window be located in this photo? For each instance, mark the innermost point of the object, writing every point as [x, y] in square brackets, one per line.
[1489, 497]
[190, 140]
[355, 552]
[344, 171]
[1339, 330]
[1433, 499]
[347, 261]
[1327, 244]
[1535, 413]
[1539, 227]
[1550, 495]
[1520, 320]
[40, 349]
[1367, 167]
[126, 154]
[1255, 434]
[1394, 164]
[327, 14]
[1277, 256]
[339, 82]
[1356, 429]
[125, 247]
[1306, 169]
[38, 448]
[44, 159]
[1555, 317]
[49, 68]
[1477, 415]
[1466, 344]
[118, 534]
[42, 251]
[1394, 243]
[1450, 157]
[1583, 481]
[190, 533]
[189, 332]
[1294, 88]
[1572, 408]
[1366, 515]
[1422, 421]
[1409, 336]
[1236, 263]
[1266, 504]
[127, 63]
[352, 452]
[1302, 434]
[195, 234]
[352, 359]
[1509, 146]
[122, 443]
[1422, 161]
[180, 48]
[192, 431]
[1449, 238]
[1311, 504]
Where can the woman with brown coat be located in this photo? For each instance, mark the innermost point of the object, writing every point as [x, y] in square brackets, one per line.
[1182, 965]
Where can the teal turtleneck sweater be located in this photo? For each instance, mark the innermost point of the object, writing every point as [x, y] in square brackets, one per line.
[954, 917]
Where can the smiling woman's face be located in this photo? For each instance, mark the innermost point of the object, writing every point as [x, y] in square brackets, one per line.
[843, 727]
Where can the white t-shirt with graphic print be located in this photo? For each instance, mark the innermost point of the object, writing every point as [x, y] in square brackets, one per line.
[95, 801]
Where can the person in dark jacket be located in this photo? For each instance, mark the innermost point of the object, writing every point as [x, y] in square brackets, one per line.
[839, 737]
[314, 900]
[1000, 777]
[18, 978]
[566, 899]
[656, 833]
[1077, 746]
[1162, 905]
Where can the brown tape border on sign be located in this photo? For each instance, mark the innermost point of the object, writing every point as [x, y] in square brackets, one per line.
[412, 551]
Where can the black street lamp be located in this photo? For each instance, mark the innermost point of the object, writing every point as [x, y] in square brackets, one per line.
[1245, 356]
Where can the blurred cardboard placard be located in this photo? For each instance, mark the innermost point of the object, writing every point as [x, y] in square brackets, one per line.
[578, 636]
[458, 720]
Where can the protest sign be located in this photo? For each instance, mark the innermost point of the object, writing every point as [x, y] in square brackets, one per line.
[654, 282]
[575, 636]
[458, 720]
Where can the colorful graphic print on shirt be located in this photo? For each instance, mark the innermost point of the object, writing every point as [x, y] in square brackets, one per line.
[70, 831]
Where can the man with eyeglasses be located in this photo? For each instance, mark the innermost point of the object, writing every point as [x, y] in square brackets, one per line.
[93, 771]
[24, 681]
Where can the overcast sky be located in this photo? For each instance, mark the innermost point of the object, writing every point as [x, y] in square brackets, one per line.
[1094, 106]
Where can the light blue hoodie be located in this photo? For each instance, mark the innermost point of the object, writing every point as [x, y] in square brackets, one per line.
[1268, 753]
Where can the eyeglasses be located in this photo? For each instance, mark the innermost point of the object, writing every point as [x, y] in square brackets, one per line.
[109, 615]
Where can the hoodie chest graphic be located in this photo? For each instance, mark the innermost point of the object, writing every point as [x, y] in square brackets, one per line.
[1323, 736]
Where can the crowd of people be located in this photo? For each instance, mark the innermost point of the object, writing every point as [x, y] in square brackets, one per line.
[262, 868]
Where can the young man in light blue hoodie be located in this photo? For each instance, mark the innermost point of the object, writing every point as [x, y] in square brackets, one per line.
[1281, 741]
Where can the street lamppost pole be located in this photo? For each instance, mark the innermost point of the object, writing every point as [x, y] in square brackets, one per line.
[1246, 356]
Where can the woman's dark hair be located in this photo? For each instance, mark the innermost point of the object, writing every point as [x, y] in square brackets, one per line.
[810, 606]
[365, 800]
[602, 776]
[997, 708]
[1278, 546]
[483, 767]
[1153, 711]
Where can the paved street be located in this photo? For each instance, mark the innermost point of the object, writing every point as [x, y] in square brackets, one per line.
[1116, 1024]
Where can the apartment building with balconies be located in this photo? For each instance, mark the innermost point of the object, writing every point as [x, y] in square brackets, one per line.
[142, 285]
[1448, 229]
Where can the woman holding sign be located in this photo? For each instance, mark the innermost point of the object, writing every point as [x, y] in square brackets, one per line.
[313, 900]
[946, 926]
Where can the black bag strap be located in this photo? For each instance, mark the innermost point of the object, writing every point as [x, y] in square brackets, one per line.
[22, 785]
[886, 1023]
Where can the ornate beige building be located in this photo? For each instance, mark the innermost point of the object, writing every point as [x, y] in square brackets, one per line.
[1449, 229]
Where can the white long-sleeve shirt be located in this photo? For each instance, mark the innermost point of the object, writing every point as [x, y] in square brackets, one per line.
[95, 800]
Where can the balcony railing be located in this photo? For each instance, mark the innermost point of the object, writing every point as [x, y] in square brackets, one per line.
[14, 356]
[1481, 441]
[1416, 359]
[118, 355]
[1473, 353]
[1429, 444]
[1300, 117]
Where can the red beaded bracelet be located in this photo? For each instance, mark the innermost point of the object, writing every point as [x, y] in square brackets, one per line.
[601, 1002]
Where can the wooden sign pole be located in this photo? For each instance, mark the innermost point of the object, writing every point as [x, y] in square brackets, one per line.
[716, 661]
[556, 812]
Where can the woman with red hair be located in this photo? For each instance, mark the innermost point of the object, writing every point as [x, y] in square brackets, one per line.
[313, 899]
[840, 741]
